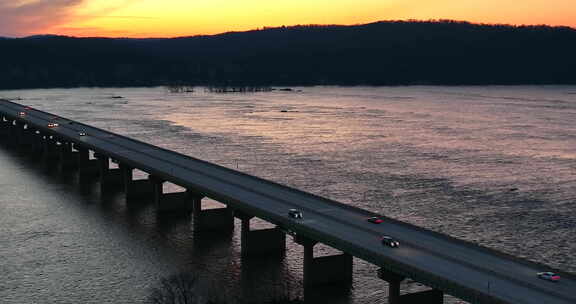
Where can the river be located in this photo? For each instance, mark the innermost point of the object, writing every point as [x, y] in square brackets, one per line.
[495, 165]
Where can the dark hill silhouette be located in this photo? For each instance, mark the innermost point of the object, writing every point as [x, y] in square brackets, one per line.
[381, 53]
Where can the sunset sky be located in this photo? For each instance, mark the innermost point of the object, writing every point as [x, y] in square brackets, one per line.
[170, 18]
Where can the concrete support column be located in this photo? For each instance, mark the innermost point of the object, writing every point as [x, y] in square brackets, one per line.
[24, 136]
[87, 167]
[68, 158]
[110, 179]
[37, 141]
[326, 269]
[4, 127]
[220, 219]
[11, 135]
[50, 149]
[25, 140]
[17, 131]
[178, 203]
[257, 242]
[394, 280]
[135, 189]
[433, 296]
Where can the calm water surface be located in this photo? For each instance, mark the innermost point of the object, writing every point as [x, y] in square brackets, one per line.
[492, 165]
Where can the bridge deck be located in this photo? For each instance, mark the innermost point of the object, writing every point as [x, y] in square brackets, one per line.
[458, 268]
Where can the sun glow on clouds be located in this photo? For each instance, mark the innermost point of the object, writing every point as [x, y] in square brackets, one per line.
[19, 17]
[30, 17]
[182, 18]
[169, 18]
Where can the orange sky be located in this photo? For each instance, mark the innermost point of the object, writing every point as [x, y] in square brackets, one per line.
[170, 18]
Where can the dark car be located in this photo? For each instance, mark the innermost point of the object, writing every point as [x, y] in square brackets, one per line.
[389, 241]
[295, 213]
[549, 276]
[375, 220]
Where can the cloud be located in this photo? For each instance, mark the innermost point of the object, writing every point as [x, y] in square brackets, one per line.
[29, 17]
[101, 32]
[25, 17]
[131, 17]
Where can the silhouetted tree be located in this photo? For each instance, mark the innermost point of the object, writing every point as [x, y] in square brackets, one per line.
[178, 289]
[186, 288]
[380, 53]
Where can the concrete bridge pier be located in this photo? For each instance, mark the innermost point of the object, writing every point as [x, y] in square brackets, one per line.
[324, 270]
[135, 188]
[12, 133]
[270, 241]
[179, 203]
[4, 127]
[219, 219]
[67, 157]
[20, 134]
[25, 137]
[87, 167]
[49, 150]
[110, 178]
[26, 140]
[433, 296]
[37, 143]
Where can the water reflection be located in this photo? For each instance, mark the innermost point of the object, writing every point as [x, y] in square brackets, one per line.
[213, 257]
[441, 157]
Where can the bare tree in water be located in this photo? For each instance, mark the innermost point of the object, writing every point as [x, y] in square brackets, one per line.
[183, 288]
[186, 288]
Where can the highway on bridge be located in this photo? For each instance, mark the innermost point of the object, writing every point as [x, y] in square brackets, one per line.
[461, 269]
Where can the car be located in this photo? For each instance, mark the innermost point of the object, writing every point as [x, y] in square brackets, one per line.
[52, 124]
[389, 241]
[375, 220]
[22, 114]
[81, 133]
[295, 213]
[549, 276]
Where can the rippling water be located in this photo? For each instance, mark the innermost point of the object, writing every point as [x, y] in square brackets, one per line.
[492, 165]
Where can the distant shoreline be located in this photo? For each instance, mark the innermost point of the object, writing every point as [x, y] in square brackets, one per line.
[288, 88]
[381, 53]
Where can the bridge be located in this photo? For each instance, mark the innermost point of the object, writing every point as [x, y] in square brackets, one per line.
[447, 265]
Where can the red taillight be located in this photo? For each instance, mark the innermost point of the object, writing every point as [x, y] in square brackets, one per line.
[555, 278]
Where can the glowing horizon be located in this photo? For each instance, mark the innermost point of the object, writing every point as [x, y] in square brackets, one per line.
[174, 18]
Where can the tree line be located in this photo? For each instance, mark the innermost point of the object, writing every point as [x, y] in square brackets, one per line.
[380, 53]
